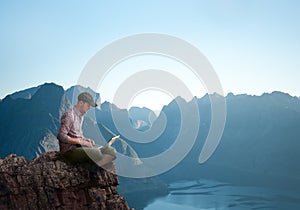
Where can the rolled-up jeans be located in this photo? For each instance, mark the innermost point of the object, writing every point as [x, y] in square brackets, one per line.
[84, 154]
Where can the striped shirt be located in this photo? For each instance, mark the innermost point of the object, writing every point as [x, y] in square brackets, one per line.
[70, 126]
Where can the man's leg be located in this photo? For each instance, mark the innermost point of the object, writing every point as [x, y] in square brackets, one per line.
[77, 155]
[102, 156]
[106, 159]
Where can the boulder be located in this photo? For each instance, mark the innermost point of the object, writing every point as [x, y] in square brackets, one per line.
[51, 182]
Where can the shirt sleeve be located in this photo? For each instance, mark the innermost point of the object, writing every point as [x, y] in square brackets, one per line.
[66, 123]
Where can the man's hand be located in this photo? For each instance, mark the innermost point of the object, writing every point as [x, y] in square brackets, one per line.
[90, 140]
[87, 142]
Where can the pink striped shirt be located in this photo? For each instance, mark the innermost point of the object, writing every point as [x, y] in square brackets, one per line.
[70, 126]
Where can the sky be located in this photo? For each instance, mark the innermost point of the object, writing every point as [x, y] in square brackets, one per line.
[253, 46]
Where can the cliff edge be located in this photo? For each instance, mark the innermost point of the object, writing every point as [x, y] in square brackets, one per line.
[50, 182]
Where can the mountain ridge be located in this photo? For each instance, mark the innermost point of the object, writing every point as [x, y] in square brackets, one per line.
[259, 145]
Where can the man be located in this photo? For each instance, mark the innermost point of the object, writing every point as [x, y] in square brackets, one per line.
[73, 145]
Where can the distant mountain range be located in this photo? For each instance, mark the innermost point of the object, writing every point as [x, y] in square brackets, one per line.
[260, 144]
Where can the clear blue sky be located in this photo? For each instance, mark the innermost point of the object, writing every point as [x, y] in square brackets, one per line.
[254, 45]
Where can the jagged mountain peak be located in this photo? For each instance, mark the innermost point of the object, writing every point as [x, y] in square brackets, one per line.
[30, 92]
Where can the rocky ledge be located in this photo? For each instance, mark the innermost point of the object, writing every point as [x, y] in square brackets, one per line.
[50, 182]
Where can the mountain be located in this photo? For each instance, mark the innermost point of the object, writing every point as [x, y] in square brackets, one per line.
[30, 119]
[141, 118]
[259, 146]
[28, 125]
[26, 94]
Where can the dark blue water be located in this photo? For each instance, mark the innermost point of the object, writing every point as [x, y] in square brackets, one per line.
[207, 194]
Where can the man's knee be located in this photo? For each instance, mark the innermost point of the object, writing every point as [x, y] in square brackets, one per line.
[108, 150]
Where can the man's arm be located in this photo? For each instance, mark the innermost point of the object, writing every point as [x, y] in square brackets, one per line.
[65, 127]
[83, 142]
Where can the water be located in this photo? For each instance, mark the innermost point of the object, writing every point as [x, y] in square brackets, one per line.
[213, 195]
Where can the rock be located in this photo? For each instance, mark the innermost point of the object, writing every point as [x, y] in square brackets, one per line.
[50, 182]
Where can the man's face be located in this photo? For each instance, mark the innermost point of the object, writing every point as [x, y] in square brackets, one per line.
[84, 107]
